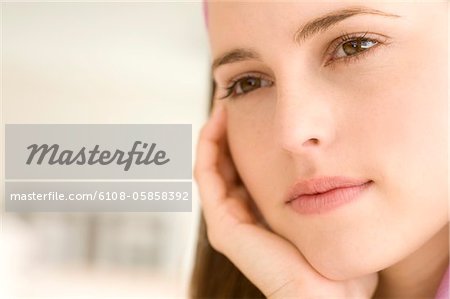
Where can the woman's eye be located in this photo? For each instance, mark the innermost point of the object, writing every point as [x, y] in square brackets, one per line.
[354, 47]
[246, 84]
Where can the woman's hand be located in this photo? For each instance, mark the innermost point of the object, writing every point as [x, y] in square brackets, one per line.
[236, 229]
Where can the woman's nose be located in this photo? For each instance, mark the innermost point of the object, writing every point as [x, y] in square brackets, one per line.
[304, 122]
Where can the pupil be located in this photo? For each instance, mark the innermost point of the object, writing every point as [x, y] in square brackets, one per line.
[353, 47]
[249, 84]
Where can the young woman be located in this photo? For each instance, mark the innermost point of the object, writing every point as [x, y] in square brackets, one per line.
[323, 170]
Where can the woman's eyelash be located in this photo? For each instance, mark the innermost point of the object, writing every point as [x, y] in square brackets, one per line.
[345, 38]
[233, 83]
[329, 61]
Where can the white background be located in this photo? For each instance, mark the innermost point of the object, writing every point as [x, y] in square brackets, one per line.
[104, 62]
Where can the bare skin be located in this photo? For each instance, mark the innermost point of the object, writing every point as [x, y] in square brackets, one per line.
[272, 263]
[382, 116]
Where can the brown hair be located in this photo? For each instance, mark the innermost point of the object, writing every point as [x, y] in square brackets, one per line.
[213, 274]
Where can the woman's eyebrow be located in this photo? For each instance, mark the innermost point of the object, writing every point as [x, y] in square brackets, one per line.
[322, 23]
[306, 31]
[235, 56]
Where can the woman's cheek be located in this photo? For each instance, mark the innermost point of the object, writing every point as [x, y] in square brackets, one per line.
[251, 143]
[249, 122]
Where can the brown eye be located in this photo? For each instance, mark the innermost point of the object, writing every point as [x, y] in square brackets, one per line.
[247, 84]
[354, 47]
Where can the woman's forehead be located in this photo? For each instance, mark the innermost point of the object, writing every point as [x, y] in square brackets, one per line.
[246, 23]
[271, 25]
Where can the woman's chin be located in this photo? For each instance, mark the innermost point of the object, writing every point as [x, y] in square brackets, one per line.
[342, 269]
[342, 264]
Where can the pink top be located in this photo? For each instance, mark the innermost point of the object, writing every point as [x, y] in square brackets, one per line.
[443, 290]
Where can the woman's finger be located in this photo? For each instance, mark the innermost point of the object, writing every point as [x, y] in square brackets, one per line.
[212, 186]
[226, 166]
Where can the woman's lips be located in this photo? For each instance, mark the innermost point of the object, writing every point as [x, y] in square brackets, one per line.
[326, 201]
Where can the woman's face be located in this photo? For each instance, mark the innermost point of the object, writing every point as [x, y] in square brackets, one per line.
[312, 106]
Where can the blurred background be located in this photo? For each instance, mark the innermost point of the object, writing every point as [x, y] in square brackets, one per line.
[103, 62]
